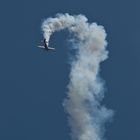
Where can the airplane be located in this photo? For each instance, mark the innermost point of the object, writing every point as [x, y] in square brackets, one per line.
[46, 46]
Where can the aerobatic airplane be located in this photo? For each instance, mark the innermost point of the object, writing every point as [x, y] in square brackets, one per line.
[46, 46]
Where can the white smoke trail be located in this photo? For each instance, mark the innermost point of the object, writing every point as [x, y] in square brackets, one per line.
[85, 89]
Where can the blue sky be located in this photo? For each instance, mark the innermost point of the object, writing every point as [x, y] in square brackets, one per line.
[33, 83]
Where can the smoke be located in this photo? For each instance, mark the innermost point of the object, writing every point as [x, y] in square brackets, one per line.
[87, 116]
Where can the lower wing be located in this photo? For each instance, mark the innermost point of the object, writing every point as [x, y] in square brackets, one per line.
[42, 47]
[51, 48]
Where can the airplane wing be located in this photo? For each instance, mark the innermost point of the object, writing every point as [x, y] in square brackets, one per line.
[51, 48]
[42, 47]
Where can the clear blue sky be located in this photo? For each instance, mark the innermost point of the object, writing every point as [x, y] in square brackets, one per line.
[33, 83]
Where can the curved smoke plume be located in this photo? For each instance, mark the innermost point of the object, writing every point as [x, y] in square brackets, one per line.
[85, 89]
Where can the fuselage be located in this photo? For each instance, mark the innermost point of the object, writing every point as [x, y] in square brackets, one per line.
[45, 44]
